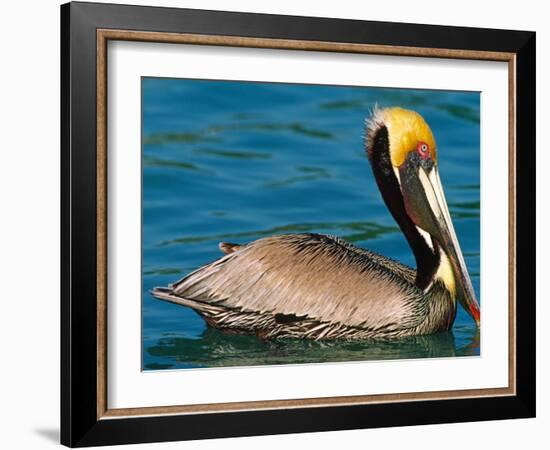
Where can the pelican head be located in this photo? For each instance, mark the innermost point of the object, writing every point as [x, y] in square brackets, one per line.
[403, 155]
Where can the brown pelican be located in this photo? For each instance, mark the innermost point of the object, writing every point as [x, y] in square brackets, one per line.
[321, 287]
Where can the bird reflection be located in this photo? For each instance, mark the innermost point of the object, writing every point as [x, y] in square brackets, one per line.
[216, 349]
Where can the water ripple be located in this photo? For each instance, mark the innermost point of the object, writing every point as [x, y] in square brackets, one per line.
[163, 271]
[232, 154]
[211, 133]
[314, 174]
[361, 231]
[149, 161]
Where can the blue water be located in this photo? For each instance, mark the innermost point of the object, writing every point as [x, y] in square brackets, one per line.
[236, 161]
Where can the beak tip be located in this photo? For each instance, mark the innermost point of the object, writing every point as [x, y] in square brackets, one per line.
[474, 311]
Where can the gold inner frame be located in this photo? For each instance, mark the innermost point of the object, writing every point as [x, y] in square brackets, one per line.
[103, 36]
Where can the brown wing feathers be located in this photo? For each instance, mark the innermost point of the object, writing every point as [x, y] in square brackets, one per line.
[319, 280]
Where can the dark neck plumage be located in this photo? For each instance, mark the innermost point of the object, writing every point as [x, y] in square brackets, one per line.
[427, 258]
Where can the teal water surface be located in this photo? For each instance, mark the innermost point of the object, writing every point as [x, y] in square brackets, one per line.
[237, 161]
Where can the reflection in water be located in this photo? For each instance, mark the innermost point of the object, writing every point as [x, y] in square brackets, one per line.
[232, 161]
[222, 349]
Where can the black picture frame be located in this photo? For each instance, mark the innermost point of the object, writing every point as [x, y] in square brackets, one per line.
[80, 425]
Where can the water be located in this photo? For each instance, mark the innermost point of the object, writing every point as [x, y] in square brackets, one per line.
[234, 161]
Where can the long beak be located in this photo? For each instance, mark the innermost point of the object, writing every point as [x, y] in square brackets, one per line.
[425, 203]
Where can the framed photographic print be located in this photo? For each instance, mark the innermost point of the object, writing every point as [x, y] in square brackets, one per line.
[276, 224]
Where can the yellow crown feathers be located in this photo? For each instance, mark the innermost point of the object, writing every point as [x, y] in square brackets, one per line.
[406, 129]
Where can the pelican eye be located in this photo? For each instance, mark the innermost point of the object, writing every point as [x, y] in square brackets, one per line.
[423, 150]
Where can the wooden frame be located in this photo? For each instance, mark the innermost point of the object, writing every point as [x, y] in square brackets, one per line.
[86, 418]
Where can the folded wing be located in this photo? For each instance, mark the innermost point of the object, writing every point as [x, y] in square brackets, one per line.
[312, 276]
